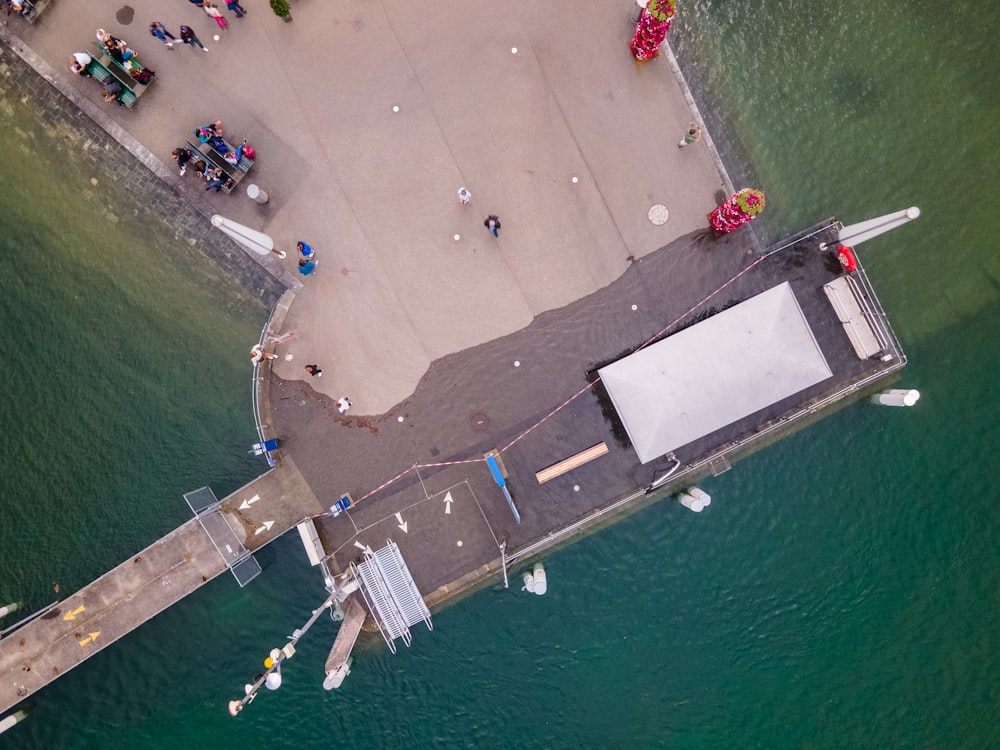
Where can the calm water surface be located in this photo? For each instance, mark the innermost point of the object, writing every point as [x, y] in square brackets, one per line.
[841, 591]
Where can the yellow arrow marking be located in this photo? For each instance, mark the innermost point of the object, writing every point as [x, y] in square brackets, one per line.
[90, 638]
[72, 615]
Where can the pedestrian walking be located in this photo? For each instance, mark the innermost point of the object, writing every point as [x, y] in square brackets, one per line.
[236, 8]
[314, 370]
[305, 252]
[306, 267]
[182, 156]
[493, 224]
[158, 30]
[343, 404]
[188, 37]
[213, 11]
[464, 196]
[692, 136]
[80, 64]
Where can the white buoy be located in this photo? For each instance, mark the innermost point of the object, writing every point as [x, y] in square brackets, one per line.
[691, 503]
[335, 678]
[8, 721]
[255, 193]
[897, 397]
[273, 680]
[541, 584]
[8, 608]
[529, 583]
[699, 494]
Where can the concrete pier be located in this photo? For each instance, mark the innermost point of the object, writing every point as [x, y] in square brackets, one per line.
[145, 585]
[448, 348]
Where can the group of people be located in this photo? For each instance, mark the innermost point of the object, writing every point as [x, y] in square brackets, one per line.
[259, 356]
[21, 7]
[110, 87]
[214, 176]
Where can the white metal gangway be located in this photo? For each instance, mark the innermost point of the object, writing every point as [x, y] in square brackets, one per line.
[391, 594]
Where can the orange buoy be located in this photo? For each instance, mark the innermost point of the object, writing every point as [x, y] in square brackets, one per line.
[846, 257]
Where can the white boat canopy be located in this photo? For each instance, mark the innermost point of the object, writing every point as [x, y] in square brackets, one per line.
[715, 373]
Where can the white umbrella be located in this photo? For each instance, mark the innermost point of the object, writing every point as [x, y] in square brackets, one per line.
[251, 239]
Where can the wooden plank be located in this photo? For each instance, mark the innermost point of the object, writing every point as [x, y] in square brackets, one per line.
[568, 464]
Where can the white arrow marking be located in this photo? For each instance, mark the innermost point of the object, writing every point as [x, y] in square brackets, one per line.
[364, 547]
[448, 500]
[265, 526]
[245, 505]
[402, 524]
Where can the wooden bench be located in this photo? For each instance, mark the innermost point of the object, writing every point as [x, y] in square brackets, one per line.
[568, 464]
[34, 9]
[101, 73]
[214, 160]
[244, 165]
[122, 71]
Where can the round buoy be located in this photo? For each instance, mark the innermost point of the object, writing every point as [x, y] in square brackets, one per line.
[846, 257]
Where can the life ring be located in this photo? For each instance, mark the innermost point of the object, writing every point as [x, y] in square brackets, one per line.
[846, 257]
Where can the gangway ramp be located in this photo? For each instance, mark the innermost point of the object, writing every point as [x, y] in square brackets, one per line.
[391, 594]
[105, 610]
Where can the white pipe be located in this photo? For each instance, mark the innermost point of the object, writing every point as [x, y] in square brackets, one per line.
[855, 234]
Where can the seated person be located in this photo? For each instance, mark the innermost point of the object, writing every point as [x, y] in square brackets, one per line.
[80, 62]
[216, 179]
[110, 89]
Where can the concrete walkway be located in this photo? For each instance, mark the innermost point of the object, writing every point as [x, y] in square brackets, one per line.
[374, 190]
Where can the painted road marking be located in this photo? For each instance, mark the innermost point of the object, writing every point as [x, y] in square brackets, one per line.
[402, 524]
[265, 526]
[245, 505]
[448, 500]
[72, 615]
[364, 547]
[90, 638]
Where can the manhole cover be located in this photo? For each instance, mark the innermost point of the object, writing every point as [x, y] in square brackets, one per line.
[658, 214]
[125, 15]
[480, 422]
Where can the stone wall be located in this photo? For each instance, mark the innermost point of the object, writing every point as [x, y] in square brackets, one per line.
[28, 79]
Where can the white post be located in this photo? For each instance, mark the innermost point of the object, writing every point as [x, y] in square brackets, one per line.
[897, 397]
[8, 721]
[255, 193]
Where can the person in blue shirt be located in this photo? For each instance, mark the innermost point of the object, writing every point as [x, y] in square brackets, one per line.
[306, 267]
[305, 252]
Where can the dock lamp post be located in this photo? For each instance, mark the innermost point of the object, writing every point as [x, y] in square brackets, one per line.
[271, 679]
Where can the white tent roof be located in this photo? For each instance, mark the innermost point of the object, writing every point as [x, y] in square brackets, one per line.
[715, 373]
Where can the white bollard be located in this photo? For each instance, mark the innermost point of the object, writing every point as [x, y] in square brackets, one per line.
[541, 583]
[691, 503]
[8, 721]
[897, 397]
[255, 193]
[699, 494]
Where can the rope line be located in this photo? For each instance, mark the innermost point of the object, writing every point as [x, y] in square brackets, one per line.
[572, 398]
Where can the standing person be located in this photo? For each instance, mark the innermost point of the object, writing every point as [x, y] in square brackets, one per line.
[306, 267]
[188, 37]
[305, 252]
[211, 10]
[343, 404]
[464, 196]
[314, 370]
[158, 30]
[235, 7]
[692, 136]
[81, 62]
[258, 355]
[182, 156]
[493, 224]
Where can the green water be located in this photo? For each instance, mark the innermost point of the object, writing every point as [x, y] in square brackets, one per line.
[841, 591]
